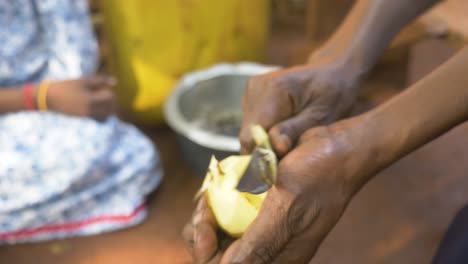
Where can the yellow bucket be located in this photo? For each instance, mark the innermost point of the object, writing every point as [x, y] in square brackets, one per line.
[153, 42]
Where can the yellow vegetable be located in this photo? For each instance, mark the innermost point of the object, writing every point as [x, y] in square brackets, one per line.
[153, 42]
[234, 211]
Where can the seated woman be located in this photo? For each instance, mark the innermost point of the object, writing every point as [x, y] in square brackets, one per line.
[67, 165]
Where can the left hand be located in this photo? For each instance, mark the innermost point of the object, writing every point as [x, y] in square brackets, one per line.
[316, 181]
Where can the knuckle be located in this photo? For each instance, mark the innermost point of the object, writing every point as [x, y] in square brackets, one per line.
[300, 217]
[263, 255]
[290, 129]
[287, 90]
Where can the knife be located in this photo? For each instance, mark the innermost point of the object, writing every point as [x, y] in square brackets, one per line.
[260, 174]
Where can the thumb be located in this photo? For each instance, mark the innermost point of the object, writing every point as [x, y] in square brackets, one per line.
[266, 118]
[285, 134]
[266, 236]
[266, 111]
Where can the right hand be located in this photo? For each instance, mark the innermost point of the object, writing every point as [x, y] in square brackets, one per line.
[88, 96]
[289, 101]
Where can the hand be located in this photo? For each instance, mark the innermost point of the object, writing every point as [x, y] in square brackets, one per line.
[89, 96]
[201, 235]
[316, 181]
[289, 101]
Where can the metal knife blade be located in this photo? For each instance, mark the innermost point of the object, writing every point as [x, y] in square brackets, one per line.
[258, 177]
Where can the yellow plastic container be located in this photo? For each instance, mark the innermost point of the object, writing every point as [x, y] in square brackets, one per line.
[153, 42]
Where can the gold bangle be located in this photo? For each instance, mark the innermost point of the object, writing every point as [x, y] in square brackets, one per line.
[42, 96]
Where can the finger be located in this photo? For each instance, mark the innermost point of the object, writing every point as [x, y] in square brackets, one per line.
[265, 112]
[198, 216]
[205, 238]
[187, 235]
[286, 134]
[302, 248]
[100, 81]
[224, 242]
[245, 137]
[103, 103]
[266, 236]
[216, 259]
[205, 244]
[203, 213]
[299, 250]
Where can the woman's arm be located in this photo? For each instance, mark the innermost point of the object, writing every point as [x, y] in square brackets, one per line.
[12, 99]
[423, 112]
[367, 31]
[89, 96]
[289, 101]
[318, 178]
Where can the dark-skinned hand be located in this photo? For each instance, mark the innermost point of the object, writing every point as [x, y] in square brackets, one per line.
[289, 101]
[316, 181]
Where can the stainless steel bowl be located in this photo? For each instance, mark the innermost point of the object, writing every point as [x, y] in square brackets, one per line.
[204, 110]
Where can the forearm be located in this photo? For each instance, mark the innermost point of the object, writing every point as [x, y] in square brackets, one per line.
[12, 99]
[368, 30]
[416, 116]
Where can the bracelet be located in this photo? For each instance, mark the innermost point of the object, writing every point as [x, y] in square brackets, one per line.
[28, 97]
[42, 96]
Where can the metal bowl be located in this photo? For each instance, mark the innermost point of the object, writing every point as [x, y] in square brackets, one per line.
[204, 110]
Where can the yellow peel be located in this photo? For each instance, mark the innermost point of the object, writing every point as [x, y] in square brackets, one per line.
[260, 136]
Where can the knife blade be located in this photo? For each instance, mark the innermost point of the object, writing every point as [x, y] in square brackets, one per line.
[259, 175]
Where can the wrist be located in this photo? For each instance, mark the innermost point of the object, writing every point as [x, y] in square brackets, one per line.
[343, 68]
[42, 96]
[350, 58]
[28, 96]
[365, 153]
[34, 90]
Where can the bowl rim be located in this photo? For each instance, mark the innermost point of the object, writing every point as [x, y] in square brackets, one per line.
[178, 123]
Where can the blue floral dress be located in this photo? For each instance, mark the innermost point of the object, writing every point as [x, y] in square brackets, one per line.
[62, 176]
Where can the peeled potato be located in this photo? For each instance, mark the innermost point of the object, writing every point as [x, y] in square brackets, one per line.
[234, 211]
